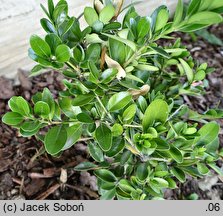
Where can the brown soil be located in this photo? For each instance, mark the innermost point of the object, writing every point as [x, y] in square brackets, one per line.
[25, 173]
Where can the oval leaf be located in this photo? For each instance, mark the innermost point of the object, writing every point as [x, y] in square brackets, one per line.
[156, 111]
[104, 137]
[55, 139]
[119, 101]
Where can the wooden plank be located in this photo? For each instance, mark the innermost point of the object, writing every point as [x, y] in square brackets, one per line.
[20, 19]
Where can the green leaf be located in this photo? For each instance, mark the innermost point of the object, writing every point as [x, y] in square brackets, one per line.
[125, 157]
[205, 18]
[147, 67]
[202, 169]
[218, 170]
[82, 100]
[50, 7]
[95, 152]
[213, 146]
[53, 41]
[129, 113]
[23, 106]
[105, 175]
[85, 166]
[142, 171]
[161, 52]
[172, 183]
[42, 109]
[107, 13]
[119, 101]
[36, 70]
[63, 53]
[98, 26]
[12, 118]
[60, 12]
[104, 137]
[90, 15]
[162, 145]
[160, 17]
[30, 126]
[208, 133]
[108, 75]
[73, 134]
[67, 108]
[193, 7]
[47, 97]
[39, 46]
[161, 182]
[179, 13]
[188, 70]
[47, 25]
[179, 174]
[125, 186]
[117, 50]
[55, 140]
[85, 118]
[157, 111]
[68, 26]
[129, 43]
[106, 185]
[143, 27]
[176, 154]
[200, 75]
[118, 144]
[108, 195]
[93, 52]
[117, 130]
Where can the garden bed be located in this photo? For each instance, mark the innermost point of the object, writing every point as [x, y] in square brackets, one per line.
[26, 173]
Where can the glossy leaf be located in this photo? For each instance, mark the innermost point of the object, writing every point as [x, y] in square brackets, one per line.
[55, 139]
[176, 154]
[73, 134]
[205, 18]
[208, 133]
[82, 99]
[41, 108]
[39, 46]
[118, 101]
[142, 171]
[12, 118]
[85, 118]
[105, 175]
[118, 144]
[85, 166]
[104, 137]
[179, 174]
[157, 111]
[188, 70]
[95, 152]
[63, 53]
[179, 13]
[129, 113]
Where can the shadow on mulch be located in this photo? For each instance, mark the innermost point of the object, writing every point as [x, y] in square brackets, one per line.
[25, 173]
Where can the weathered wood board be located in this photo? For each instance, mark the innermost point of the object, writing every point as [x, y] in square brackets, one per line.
[19, 19]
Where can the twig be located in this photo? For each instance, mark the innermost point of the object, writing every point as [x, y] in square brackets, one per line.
[45, 194]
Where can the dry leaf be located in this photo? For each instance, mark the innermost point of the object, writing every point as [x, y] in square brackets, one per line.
[118, 5]
[142, 91]
[98, 5]
[114, 64]
[63, 176]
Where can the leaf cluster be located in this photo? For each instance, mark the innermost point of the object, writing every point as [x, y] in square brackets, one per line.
[124, 96]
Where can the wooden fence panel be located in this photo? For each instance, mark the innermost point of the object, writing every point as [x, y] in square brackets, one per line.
[19, 19]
